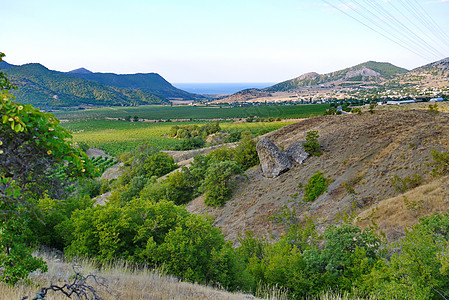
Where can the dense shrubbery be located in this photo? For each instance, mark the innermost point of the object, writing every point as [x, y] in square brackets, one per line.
[31, 144]
[155, 233]
[189, 131]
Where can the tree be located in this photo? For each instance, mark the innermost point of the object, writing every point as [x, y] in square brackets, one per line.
[372, 106]
[311, 145]
[32, 145]
[217, 184]
[245, 152]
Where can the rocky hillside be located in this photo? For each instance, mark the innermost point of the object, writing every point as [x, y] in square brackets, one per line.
[244, 96]
[434, 75]
[372, 154]
[370, 71]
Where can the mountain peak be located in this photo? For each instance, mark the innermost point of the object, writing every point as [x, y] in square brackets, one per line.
[81, 71]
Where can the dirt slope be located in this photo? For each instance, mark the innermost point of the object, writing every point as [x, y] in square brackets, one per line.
[366, 151]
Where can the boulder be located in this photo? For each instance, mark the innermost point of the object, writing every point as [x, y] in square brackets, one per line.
[272, 160]
[296, 153]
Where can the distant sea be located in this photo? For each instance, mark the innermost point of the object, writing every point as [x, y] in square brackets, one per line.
[220, 88]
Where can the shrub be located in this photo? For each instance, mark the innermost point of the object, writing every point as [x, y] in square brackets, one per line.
[403, 184]
[311, 145]
[316, 185]
[217, 184]
[189, 144]
[246, 153]
[157, 165]
[440, 163]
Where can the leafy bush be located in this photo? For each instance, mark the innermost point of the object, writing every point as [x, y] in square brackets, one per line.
[217, 184]
[440, 163]
[189, 144]
[245, 152]
[158, 234]
[311, 145]
[316, 185]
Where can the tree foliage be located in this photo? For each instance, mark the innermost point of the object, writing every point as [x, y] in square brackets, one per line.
[31, 144]
[312, 146]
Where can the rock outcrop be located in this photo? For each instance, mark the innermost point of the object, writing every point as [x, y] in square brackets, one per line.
[272, 160]
[296, 153]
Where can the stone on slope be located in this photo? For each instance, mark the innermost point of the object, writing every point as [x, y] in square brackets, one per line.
[272, 160]
[296, 153]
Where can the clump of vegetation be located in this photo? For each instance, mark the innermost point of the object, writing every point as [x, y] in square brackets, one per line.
[433, 109]
[440, 163]
[316, 185]
[404, 184]
[189, 131]
[31, 144]
[372, 106]
[217, 184]
[311, 145]
[357, 110]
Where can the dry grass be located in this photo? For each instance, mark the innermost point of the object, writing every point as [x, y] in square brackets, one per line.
[122, 283]
[394, 216]
[442, 106]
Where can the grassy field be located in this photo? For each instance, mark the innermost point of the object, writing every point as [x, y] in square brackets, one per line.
[101, 128]
[158, 112]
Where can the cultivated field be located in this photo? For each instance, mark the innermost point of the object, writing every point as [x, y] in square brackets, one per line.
[158, 112]
[106, 129]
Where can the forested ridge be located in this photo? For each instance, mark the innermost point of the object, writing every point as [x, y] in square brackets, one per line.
[45, 88]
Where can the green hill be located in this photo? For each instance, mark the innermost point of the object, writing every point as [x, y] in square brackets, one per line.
[45, 88]
[370, 71]
[149, 82]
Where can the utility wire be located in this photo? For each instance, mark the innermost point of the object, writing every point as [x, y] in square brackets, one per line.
[382, 21]
[400, 30]
[373, 29]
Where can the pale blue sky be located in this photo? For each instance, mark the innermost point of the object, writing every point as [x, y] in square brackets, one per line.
[198, 40]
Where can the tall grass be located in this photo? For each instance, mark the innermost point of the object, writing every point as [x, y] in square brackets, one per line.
[121, 281]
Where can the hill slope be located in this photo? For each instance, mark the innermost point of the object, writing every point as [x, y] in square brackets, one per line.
[150, 82]
[366, 151]
[370, 71]
[45, 88]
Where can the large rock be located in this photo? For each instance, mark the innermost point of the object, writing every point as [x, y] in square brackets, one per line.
[296, 153]
[272, 160]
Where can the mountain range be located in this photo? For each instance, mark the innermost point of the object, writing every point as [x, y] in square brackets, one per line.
[370, 71]
[369, 80]
[46, 88]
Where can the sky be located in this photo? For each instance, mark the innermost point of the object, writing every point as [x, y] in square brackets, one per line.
[188, 41]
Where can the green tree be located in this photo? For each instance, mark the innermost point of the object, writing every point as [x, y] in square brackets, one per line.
[218, 184]
[157, 165]
[31, 145]
[311, 145]
[245, 152]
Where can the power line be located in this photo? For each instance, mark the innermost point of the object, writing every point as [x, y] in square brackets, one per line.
[400, 30]
[373, 29]
[381, 20]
